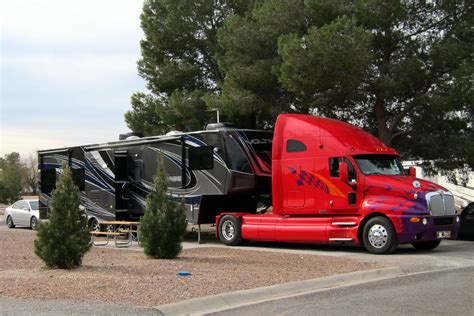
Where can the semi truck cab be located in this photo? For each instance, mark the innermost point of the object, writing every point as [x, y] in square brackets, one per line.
[334, 182]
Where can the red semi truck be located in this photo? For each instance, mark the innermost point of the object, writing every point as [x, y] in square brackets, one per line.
[333, 182]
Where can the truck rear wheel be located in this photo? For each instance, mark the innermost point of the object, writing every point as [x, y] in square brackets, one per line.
[426, 245]
[379, 236]
[230, 230]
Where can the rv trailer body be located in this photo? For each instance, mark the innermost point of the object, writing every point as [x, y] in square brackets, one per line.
[209, 171]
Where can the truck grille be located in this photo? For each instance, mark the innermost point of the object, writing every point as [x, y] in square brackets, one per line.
[443, 221]
[440, 203]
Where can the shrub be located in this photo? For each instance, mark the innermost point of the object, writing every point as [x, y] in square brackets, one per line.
[64, 239]
[11, 178]
[163, 225]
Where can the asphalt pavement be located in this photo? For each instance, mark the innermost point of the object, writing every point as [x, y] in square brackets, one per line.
[434, 282]
[449, 292]
[22, 307]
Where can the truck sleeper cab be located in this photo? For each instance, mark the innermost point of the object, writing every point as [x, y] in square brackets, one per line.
[333, 182]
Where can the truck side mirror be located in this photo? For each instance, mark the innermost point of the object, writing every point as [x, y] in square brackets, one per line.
[412, 172]
[343, 172]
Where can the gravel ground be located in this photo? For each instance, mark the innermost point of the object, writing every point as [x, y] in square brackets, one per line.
[130, 278]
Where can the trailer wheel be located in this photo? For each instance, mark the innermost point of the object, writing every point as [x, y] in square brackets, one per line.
[426, 245]
[379, 236]
[94, 225]
[230, 232]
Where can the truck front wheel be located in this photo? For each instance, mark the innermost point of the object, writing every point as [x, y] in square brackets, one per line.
[379, 236]
[426, 245]
[230, 232]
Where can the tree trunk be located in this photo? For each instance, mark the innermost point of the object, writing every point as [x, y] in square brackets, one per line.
[381, 121]
[383, 131]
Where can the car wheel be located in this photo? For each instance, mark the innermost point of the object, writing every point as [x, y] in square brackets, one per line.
[379, 236]
[10, 223]
[230, 232]
[426, 245]
[94, 225]
[33, 222]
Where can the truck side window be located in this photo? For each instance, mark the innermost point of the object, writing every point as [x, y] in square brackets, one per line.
[293, 145]
[334, 168]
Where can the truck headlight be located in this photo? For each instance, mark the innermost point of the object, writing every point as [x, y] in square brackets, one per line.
[425, 221]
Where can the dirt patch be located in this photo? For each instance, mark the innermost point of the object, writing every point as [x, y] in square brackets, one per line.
[129, 277]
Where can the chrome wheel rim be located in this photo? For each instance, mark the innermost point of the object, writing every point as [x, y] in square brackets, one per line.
[109, 228]
[378, 236]
[9, 221]
[95, 226]
[228, 230]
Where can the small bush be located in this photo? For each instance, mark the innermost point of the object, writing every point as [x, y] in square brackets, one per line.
[64, 239]
[164, 223]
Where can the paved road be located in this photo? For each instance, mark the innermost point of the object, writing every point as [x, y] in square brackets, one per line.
[449, 255]
[449, 292]
[20, 307]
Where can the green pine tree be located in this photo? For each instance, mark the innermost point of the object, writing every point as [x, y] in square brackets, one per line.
[64, 239]
[401, 69]
[164, 223]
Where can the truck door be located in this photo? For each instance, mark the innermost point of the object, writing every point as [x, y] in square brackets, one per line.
[298, 179]
[343, 200]
[122, 182]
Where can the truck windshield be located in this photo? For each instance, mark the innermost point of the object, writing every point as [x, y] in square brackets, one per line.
[379, 164]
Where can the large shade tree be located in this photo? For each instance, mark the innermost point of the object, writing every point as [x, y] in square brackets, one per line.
[179, 62]
[412, 86]
[401, 69]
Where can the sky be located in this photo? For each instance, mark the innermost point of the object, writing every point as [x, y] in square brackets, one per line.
[68, 69]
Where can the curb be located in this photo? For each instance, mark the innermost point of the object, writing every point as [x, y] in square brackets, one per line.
[224, 301]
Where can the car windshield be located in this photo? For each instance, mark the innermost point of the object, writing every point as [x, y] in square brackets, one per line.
[379, 164]
[34, 205]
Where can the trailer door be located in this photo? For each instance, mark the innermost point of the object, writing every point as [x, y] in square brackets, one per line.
[122, 181]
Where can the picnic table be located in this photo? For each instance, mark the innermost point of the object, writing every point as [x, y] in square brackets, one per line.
[122, 232]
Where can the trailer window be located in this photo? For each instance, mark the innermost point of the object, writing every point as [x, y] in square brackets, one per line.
[260, 143]
[78, 176]
[236, 157]
[48, 180]
[293, 145]
[201, 158]
[334, 168]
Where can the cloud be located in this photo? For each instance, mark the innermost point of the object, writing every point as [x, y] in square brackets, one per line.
[68, 70]
[27, 140]
[53, 23]
[39, 82]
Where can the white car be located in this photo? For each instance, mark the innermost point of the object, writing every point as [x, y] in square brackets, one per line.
[22, 213]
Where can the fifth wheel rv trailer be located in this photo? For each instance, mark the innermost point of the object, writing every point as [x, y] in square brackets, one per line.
[221, 169]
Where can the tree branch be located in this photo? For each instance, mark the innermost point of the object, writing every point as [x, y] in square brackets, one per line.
[455, 18]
